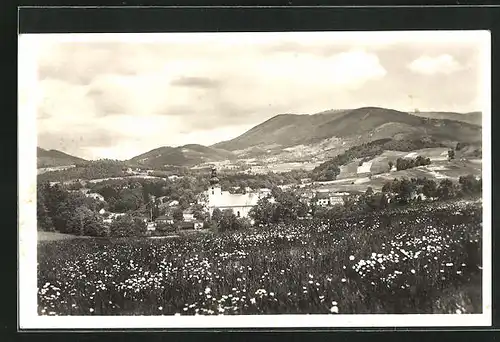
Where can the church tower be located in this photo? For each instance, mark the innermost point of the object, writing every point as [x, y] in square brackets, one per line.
[214, 183]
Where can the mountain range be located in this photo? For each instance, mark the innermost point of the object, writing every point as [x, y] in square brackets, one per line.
[362, 124]
[351, 126]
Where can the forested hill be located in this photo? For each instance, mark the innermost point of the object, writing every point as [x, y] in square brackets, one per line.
[363, 124]
[52, 158]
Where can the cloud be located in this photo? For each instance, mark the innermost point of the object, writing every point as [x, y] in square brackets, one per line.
[201, 82]
[443, 64]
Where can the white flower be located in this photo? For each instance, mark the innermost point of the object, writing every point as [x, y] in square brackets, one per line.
[207, 290]
[334, 303]
[412, 271]
[351, 257]
[91, 310]
[458, 311]
[160, 308]
[252, 300]
[343, 280]
[334, 309]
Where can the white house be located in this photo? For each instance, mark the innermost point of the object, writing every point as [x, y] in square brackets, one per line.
[95, 196]
[323, 199]
[188, 216]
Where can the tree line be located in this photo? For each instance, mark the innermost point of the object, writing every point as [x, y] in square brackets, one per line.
[59, 210]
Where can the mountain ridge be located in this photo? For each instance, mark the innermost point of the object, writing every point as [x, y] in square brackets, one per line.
[54, 158]
[285, 130]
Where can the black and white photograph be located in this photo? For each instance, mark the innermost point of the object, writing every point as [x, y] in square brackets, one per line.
[263, 179]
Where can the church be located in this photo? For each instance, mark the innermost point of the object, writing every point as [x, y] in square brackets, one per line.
[240, 204]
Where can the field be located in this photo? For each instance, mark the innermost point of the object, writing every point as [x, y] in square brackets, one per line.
[424, 259]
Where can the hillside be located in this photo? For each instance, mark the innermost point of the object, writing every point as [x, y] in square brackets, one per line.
[362, 124]
[474, 118]
[186, 155]
[54, 158]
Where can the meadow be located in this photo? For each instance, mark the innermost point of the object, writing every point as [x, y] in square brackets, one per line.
[418, 259]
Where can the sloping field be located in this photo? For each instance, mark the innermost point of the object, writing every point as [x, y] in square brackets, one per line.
[380, 163]
[438, 171]
[53, 236]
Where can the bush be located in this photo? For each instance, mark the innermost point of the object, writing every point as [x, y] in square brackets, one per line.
[127, 225]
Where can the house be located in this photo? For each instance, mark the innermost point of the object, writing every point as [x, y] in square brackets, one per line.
[198, 225]
[415, 196]
[334, 200]
[151, 226]
[338, 197]
[188, 216]
[322, 199]
[164, 220]
[95, 196]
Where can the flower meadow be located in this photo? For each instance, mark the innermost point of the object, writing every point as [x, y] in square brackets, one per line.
[424, 259]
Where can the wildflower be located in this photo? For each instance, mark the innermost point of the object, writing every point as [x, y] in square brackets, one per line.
[91, 310]
[252, 300]
[334, 309]
[343, 280]
[160, 308]
[412, 271]
[207, 290]
[351, 257]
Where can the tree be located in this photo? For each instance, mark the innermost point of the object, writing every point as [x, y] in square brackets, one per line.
[127, 225]
[228, 221]
[446, 190]
[451, 154]
[242, 223]
[405, 190]
[44, 221]
[263, 212]
[321, 213]
[178, 215]
[460, 146]
[429, 188]
[391, 164]
[288, 206]
[85, 222]
[470, 185]
[216, 215]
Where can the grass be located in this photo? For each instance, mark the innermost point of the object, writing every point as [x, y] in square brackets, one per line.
[54, 236]
[409, 260]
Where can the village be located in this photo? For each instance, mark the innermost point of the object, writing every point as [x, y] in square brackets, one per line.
[165, 216]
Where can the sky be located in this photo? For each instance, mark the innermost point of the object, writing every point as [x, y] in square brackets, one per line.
[117, 96]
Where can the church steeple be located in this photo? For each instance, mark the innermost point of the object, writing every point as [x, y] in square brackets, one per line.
[214, 181]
